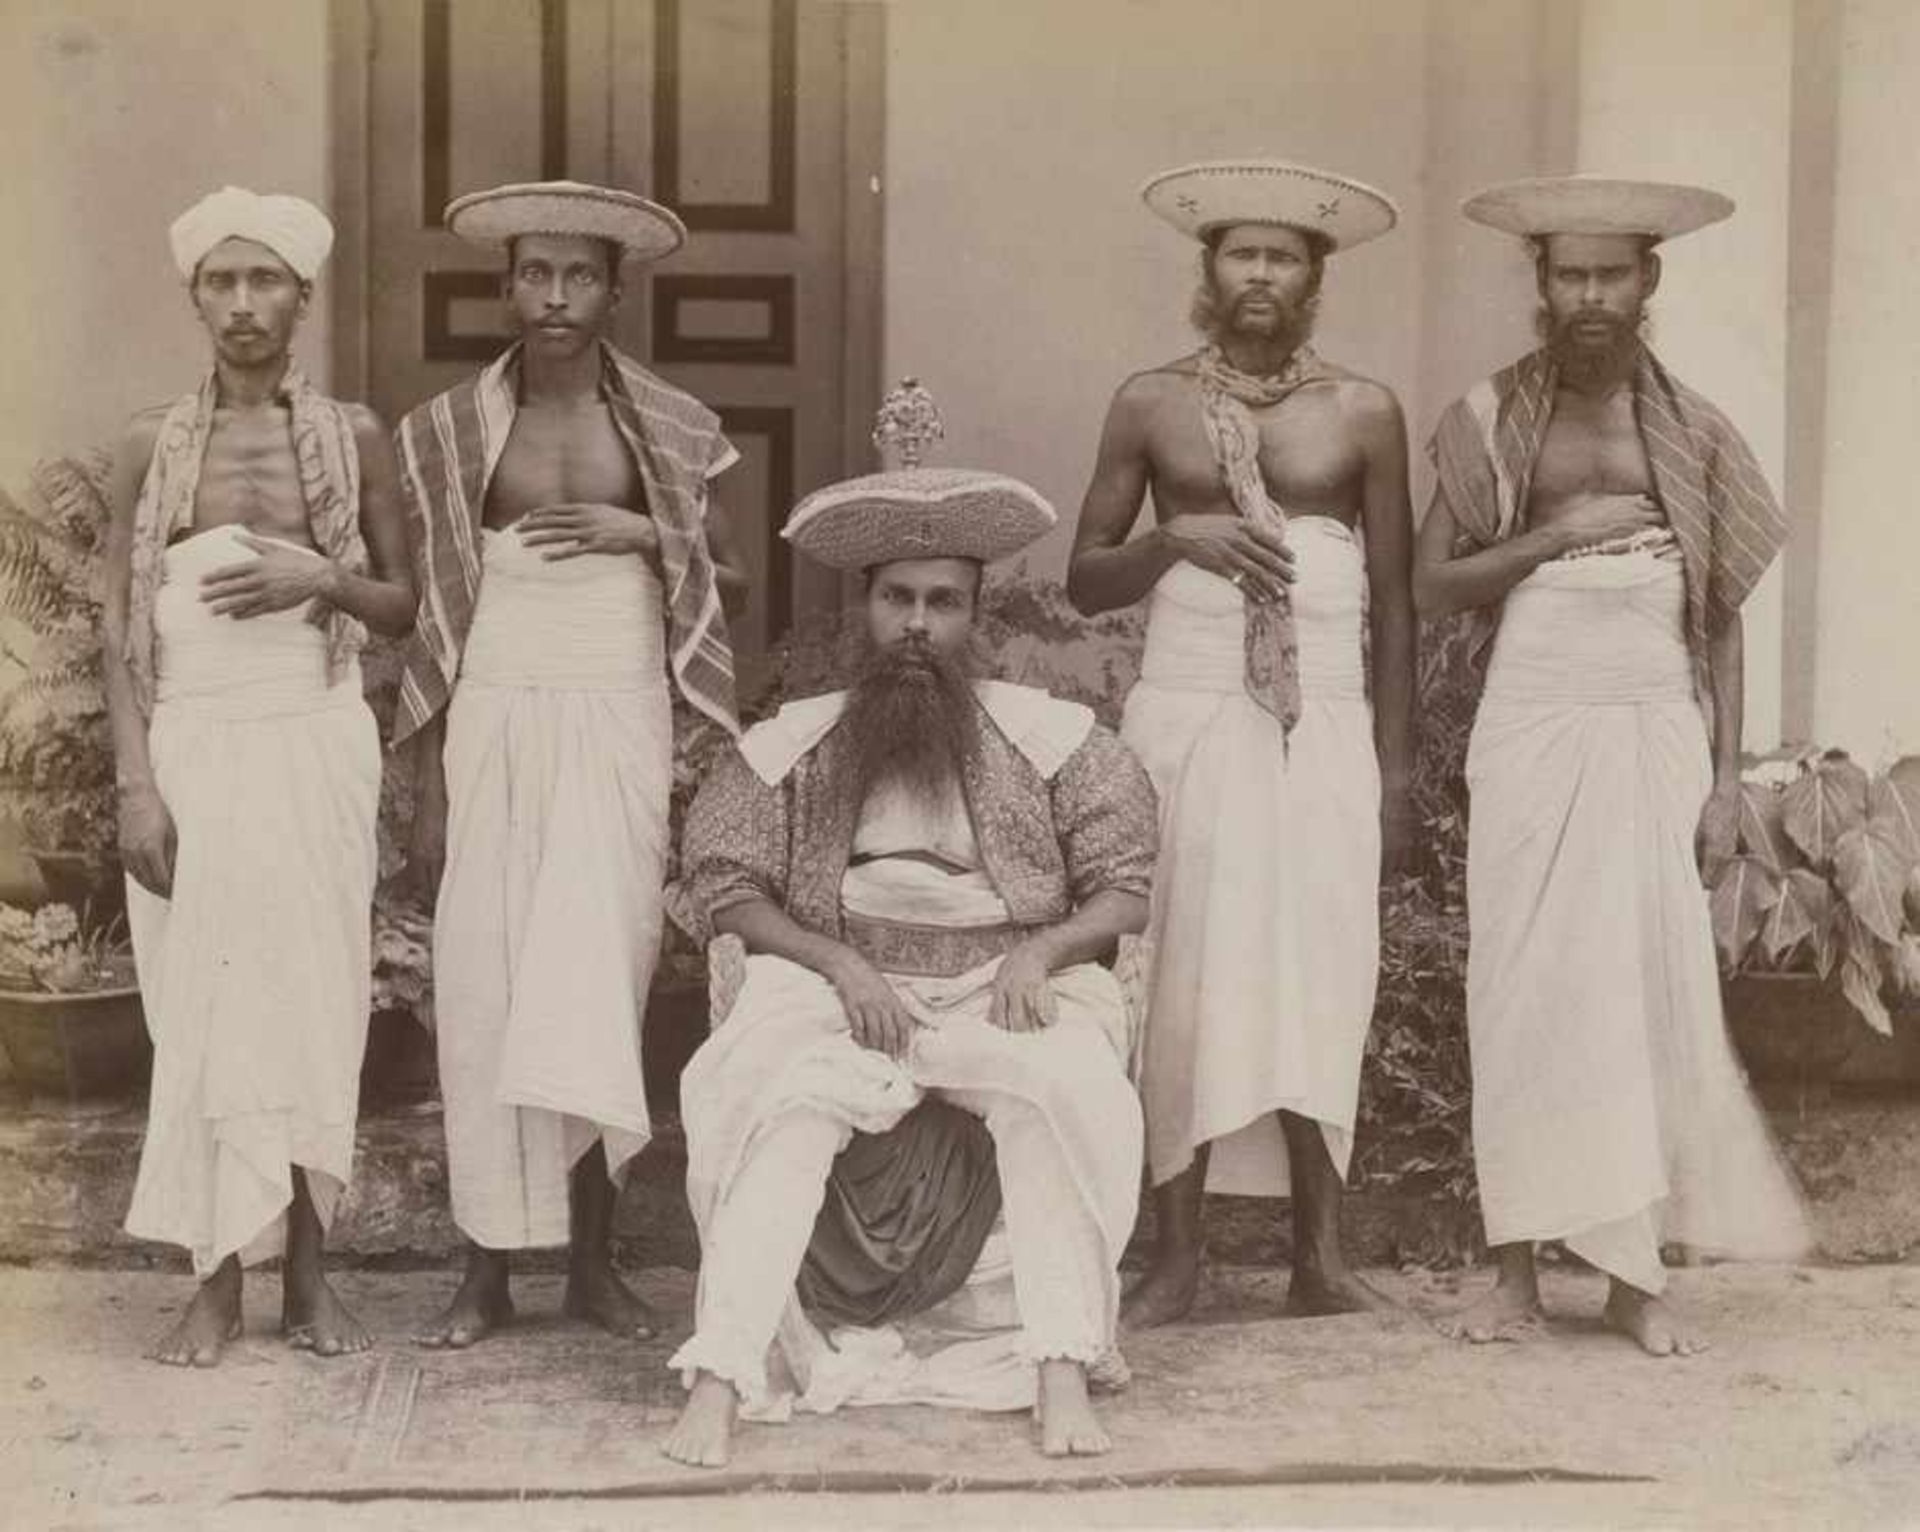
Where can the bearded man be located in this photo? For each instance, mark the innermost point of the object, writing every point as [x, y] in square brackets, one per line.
[1281, 532]
[1608, 521]
[925, 869]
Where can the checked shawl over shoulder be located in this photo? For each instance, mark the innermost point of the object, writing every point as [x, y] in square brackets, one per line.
[327, 461]
[447, 450]
[1723, 513]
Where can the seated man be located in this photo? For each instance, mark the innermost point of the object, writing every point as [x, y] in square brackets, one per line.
[925, 870]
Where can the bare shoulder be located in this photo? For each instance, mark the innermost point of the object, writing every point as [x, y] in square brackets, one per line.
[1368, 406]
[1360, 396]
[367, 426]
[1169, 376]
[372, 441]
[133, 456]
[135, 449]
[1151, 387]
[143, 428]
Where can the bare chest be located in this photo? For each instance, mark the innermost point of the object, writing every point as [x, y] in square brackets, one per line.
[249, 476]
[1308, 459]
[562, 457]
[1591, 448]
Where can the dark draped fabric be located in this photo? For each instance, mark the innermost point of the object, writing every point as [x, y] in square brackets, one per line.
[904, 1217]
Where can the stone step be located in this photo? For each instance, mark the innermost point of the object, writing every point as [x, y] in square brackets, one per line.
[66, 1177]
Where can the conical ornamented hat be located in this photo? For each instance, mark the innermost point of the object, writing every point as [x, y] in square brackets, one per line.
[1596, 205]
[1197, 199]
[641, 228]
[914, 511]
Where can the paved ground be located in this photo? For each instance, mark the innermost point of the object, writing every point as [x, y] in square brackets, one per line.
[1806, 1413]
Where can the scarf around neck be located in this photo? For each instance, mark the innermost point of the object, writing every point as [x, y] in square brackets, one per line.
[1228, 398]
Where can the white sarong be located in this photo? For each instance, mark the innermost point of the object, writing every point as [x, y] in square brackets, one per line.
[1608, 1108]
[1263, 947]
[779, 1089]
[255, 974]
[558, 761]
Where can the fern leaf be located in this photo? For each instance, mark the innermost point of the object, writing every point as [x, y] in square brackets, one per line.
[37, 574]
[74, 492]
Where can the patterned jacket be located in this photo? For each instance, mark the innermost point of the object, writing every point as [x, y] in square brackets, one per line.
[1061, 808]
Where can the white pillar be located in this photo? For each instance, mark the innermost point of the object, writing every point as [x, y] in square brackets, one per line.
[1867, 663]
[1702, 93]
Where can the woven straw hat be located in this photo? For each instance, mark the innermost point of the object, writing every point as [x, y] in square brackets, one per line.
[644, 230]
[1197, 199]
[1596, 205]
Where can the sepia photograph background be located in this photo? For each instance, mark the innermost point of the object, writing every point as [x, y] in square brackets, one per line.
[947, 189]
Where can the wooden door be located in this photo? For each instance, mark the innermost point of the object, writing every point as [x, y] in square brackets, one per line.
[758, 121]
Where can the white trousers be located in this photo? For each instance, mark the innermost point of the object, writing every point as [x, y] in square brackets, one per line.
[778, 1090]
[759, 1235]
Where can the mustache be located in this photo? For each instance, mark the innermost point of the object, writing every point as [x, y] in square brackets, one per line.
[1284, 324]
[1269, 303]
[1622, 329]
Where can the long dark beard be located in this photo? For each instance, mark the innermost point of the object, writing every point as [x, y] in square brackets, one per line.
[1582, 363]
[912, 722]
[1264, 348]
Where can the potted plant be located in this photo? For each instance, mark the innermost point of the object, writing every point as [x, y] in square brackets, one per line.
[1817, 914]
[70, 1017]
[56, 748]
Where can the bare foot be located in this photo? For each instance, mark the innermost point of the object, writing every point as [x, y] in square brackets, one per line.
[1312, 1294]
[1161, 1297]
[313, 1318]
[595, 1293]
[481, 1305]
[1649, 1323]
[212, 1319]
[1068, 1426]
[1508, 1313]
[703, 1435]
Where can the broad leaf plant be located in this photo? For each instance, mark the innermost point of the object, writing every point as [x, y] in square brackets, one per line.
[1826, 878]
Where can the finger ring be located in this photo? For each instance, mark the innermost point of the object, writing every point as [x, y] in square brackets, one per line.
[1238, 577]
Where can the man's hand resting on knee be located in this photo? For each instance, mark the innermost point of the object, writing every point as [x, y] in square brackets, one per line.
[1022, 996]
[874, 1012]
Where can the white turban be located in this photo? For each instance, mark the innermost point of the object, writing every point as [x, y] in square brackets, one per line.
[292, 228]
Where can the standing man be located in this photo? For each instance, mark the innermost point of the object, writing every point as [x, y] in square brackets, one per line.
[926, 870]
[256, 536]
[1609, 521]
[1281, 532]
[572, 569]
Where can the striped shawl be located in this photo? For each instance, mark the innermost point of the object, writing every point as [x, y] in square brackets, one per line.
[448, 449]
[1725, 517]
